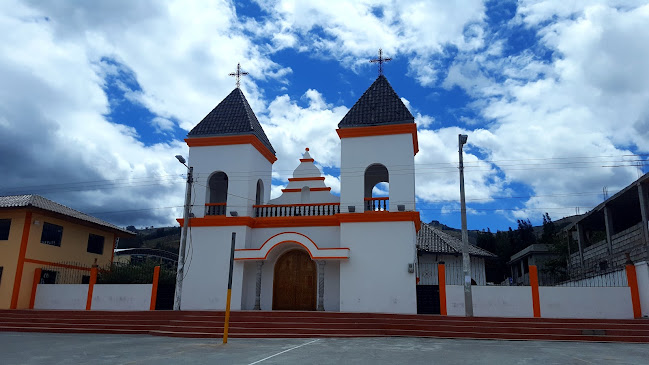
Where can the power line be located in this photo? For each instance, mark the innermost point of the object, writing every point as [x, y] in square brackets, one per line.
[419, 169]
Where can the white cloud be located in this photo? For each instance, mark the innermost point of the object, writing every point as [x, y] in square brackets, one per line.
[437, 176]
[352, 31]
[294, 128]
[333, 182]
[53, 68]
[162, 125]
[276, 191]
[589, 98]
[553, 120]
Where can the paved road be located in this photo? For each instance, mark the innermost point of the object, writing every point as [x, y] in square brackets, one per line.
[53, 349]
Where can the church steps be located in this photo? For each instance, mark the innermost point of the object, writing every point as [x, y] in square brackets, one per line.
[283, 324]
[380, 329]
[211, 326]
[409, 323]
[302, 316]
[406, 333]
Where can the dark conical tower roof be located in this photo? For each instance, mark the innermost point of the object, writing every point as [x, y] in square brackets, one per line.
[233, 116]
[379, 105]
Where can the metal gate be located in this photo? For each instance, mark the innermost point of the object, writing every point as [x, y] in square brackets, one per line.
[428, 299]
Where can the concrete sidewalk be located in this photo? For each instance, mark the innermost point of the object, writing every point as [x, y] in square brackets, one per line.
[53, 349]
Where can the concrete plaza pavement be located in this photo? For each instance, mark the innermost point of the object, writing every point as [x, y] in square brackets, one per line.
[96, 349]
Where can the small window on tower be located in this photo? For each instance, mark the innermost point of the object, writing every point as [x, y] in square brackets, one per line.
[95, 244]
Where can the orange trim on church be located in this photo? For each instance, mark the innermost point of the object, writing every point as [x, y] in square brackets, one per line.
[315, 178]
[296, 242]
[219, 221]
[382, 130]
[380, 217]
[230, 140]
[293, 241]
[307, 160]
[311, 189]
[305, 221]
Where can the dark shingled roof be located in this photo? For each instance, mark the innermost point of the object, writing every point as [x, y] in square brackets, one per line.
[378, 105]
[37, 201]
[433, 240]
[233, 116]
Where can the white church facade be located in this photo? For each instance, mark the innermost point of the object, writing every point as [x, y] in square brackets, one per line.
[307, 249]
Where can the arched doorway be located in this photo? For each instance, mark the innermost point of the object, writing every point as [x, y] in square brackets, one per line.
[294, 282]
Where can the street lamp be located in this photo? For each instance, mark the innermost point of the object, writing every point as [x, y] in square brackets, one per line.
[466, 259]
[183, 240]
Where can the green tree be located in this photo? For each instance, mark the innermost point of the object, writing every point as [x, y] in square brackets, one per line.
[549, 230]
[524, 234]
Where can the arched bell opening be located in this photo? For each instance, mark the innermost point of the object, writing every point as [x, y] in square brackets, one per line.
[259, 196]
[377, 179]
[217, 194]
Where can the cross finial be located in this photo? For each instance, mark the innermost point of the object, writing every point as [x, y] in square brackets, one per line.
[238, 74]
[380, 61]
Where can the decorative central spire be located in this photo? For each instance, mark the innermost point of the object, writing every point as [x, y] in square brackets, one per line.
[380, 61]
[238, 74]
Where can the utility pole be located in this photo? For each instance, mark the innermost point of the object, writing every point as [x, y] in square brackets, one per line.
[466, 259]
[183, 241]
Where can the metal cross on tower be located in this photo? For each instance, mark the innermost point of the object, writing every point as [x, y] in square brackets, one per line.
[381, 60]
[238, 74]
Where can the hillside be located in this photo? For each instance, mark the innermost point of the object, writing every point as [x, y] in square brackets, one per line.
[162, 238]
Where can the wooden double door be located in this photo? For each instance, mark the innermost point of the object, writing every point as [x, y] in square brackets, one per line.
[294, 282]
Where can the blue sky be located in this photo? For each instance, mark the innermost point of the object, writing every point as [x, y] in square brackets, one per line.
[552, 94]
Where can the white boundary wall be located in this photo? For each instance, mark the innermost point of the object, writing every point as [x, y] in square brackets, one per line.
[586, 302]
[128, 297]
[61, 296]
[642, 271]
[491, 301]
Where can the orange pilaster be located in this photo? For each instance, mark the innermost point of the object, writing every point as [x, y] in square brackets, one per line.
[37, 279]
[154, 288]
[21, 260]
[91, 287]
[534, 283]
[441, 280]
[632, 279]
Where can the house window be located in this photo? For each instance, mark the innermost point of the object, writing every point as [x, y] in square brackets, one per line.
[526, 266]
[48, 277]
[1, 268]
[52, 234]
[96, 244]
[5, 224]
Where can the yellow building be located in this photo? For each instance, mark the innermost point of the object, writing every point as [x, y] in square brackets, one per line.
[35, 233]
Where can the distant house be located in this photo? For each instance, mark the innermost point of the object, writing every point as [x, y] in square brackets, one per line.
[36, 232]
[435, 246]
[606, 234]
[537, 254]
[141, 254]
